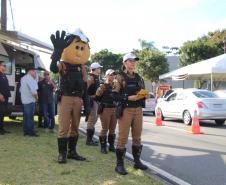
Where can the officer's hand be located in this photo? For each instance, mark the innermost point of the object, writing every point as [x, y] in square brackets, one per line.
[134, 97]
[87, 111]
[60, 41]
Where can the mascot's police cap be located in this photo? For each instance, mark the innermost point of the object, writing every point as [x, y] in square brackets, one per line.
[79, 33]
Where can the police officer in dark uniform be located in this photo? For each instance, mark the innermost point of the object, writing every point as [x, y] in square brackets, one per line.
[126, 89]
[107, 112]
[4, 96]
[93, 83]
[72, 52]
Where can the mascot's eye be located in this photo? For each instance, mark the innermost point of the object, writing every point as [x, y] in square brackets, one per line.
[82, 48]
[77, 47]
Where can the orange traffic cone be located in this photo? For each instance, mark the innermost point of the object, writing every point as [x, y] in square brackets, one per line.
[158, 119]
[195, 127]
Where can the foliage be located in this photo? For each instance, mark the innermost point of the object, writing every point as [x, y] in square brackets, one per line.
[108, 60]
[147, 45]
[55, 77]
[30, 161]
[152, 63]
[205, 47]
[194, 51]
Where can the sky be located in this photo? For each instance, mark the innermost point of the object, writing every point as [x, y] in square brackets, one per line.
[117, 25]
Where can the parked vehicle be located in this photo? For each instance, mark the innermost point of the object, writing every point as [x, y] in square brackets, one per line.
[220, 93]
[182, 103]
[150, 104]
[19, 51]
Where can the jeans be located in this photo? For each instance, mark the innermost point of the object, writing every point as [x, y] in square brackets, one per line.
[28, 118]
[1, 120]
[3, 107]
[49, 115]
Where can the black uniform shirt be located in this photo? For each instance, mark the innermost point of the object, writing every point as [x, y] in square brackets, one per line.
[4, 86]
[45, 90]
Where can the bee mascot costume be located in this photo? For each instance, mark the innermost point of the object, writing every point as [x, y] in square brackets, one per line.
[71, 52]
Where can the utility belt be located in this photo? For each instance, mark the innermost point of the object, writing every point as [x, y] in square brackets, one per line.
[133, 104]
[108, 105]
[74, 93]
[104, 105]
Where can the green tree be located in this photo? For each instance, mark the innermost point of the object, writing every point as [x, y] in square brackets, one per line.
[205, 47]
[147, 45]
[217, 37]
[152, 63]
[194, 51]
[108, 60]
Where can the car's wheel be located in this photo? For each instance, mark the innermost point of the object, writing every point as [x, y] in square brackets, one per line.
[187, 118]
[161, 114]
[219, 122]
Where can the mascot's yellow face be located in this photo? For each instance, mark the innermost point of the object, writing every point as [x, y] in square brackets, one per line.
[77, 52]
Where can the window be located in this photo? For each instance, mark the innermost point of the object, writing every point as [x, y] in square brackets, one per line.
[204, 94]
[172, 97]
[152, 96]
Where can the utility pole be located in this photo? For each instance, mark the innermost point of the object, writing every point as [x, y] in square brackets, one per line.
[3, 15]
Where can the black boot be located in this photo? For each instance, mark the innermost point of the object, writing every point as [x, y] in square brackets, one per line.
[89, 138]
[136, 151]
[120, 154]
[103, 144]
[62, 147]
[111, 141]
[72, 153]
[2, 132]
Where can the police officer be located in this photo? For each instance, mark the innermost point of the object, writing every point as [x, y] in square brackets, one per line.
[4, 95]
[72, 52]
[93, 83]
[128, 83]
[107, 112]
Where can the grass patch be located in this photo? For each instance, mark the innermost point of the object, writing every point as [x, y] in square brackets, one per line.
[33, 161]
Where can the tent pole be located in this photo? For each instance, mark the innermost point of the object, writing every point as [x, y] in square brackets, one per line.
[211, 82]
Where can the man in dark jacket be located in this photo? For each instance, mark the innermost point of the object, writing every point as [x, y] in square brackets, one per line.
[4, 96]
[46, 89]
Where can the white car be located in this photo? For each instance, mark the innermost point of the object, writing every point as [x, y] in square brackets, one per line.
[220, 93]
[150, 105]
[182, 103]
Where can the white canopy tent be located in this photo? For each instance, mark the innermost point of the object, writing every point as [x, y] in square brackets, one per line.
[213, 69]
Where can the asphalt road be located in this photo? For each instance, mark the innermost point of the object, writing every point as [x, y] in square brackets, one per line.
[195, 159]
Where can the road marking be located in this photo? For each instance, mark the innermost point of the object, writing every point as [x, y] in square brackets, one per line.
[160, 171]
[179, 129]
[152, 167]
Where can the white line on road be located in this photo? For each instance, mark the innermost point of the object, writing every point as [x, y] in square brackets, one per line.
[179, 129]
[152, 167]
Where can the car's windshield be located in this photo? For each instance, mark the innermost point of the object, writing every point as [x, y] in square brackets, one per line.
[152, 96]
[204, 94]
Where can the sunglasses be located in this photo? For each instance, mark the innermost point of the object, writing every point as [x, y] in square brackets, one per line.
[131, 60]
